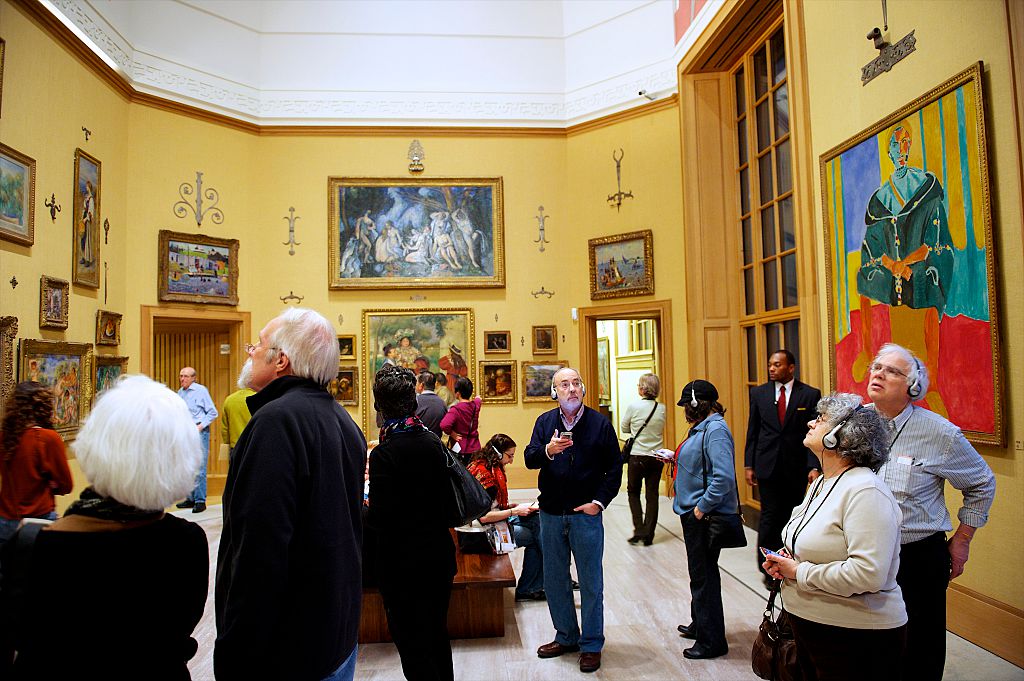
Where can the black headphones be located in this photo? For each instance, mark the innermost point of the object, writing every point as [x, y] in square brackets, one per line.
[831, 439]
[914, 389]
[554, 394]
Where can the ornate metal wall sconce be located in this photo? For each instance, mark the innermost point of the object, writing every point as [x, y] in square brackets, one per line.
[291, 296]
[291, 243]
[542, 292]
[541, 239]
[181, 208]
[54, 207]
[416, 156]
[888, 54]
[615, 200]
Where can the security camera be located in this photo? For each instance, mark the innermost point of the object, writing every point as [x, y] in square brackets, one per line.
[643, 93]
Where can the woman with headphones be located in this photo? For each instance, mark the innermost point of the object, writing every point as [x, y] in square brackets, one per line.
[841, 553]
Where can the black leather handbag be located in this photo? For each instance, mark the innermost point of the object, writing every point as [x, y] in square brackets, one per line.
[725, 530]
[469, 500]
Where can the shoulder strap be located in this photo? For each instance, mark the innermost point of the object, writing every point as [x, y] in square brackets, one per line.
[704, 471]
[646, 421]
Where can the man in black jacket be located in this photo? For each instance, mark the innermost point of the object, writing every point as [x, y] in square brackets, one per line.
[289, 586]
[430, 408]
[577, 453]
[775, 459]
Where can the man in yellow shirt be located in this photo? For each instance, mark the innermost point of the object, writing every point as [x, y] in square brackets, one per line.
[234, 416]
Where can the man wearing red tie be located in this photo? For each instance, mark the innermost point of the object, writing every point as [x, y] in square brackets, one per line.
[775, 459]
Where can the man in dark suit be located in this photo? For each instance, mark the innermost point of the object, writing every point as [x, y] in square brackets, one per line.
[429, 407]
[775, 459]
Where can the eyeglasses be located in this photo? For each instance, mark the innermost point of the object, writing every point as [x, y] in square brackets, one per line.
[564, 385]
[889, 371]
[250, 348]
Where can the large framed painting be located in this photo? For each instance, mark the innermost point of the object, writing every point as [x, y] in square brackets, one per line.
[197, 269]
[65, 367]
[85, 215]
[909, 253]
[537, 379]
[17, 196]
[108, 369]
[54, 299]
[441, 340]
[622, 265]
[604, 369]
[498, 381]
[415, 233]
[8, 332]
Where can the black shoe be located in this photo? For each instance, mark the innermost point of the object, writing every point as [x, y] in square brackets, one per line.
[687, 631]
[648, 541]
[199, 507]
[531, 596]
[575, 585]
[699, 652]
[635, 539]
[188, 503]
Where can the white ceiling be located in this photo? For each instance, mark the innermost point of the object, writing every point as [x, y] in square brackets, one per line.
[391, 62]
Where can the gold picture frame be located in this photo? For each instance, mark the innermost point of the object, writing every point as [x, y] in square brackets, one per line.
[402, 233]
[632, 274]
[108, 328]
[498, 342]
[109, 368]
[346, 346]
[18, 171]
[85, 216]
[536, 377]
[54, 299]
[498, 381]
[194, 268]
[8, 332]
[345, 386]
[65, 367]
[544, 340]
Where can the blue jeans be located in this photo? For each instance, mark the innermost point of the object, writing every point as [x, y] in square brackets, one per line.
[198, 494]
[583, 536]
[347, 670]
[8, 527]
[526, 531]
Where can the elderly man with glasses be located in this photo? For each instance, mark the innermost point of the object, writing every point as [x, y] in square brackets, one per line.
[577, 452]
[926, 450]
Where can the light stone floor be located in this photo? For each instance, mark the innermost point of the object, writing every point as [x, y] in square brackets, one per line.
[646, 596]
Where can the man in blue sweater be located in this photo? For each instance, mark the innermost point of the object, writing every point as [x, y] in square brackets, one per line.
[577, 453]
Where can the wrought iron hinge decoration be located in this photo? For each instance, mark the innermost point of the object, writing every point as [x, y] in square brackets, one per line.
[54, 207]
[615, 200]
[541, 239]
[889, 55]
[181, 208]
[291, 296]
[291, 243]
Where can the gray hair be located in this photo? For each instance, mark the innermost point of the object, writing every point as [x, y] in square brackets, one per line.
[139, 445]
[863, 439]
[560, 370]
[650, 386]
[918, 371]
[309, 341]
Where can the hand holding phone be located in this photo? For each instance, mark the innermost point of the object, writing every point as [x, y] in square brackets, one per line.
[768, 552]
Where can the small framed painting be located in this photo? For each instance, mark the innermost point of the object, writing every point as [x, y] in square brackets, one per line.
[85, 216]
[108, 328]
[604, 370]
[347, 346]
[197, 269]
[53, 303]
[622, 265]
[345, 387]
[65, 367]
[498, 381]
[497, 342]
[537, 379]
[108, 369]
[17, 196]
[545, 340]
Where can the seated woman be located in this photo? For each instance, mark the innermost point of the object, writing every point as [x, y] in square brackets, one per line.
[115, 588]
[842, 551]
[488, 466]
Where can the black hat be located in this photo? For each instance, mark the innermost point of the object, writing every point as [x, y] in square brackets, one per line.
[705, 390]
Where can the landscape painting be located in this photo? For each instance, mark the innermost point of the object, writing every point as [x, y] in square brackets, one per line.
[622, 265]
[108, 369]
[17, 196]
[537, 379]
[415, 233]
[197, 269]
[67, 369]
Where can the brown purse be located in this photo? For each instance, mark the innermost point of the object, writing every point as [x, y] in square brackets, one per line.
[773, 656]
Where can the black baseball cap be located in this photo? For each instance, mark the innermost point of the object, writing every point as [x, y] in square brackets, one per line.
[704, 390]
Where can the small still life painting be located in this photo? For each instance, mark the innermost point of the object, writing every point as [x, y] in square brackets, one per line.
[622, 265]
[537, 379]
[67, 369]
[197, 269]
[108, 328]
[54, 297]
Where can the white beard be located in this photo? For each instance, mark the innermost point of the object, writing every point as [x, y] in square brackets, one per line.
[570, 405]
[245, 376]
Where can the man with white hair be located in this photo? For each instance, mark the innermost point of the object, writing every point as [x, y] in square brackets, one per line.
[925, 451]
[289, 580]
[200, 406]
[577, 452]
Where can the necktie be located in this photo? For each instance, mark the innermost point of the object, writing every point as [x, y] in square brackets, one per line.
[781, 405]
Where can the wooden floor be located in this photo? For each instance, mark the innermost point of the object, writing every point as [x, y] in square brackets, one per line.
[646, 596]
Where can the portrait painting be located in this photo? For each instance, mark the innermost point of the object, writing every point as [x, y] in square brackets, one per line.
[909, 253]
[197, 269]
[497, 381]
[108, 328]
[345, 386]
[439, 340]
[622, 265]
[537, 379]
[497, 342]
[545, 340]
[8, 332]
[85, 216]
[54, 295]
[108, 369]
[347, 346]
[17, 196]
[604, 370]
[67, 369]
[415, 233]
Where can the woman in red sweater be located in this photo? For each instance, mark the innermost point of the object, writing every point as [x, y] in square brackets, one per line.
[33, 465]
[462, 422]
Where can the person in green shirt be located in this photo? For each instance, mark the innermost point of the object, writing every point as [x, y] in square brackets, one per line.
[234, 416]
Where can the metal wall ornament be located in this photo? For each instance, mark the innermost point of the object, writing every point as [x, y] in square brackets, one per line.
[54, 296]
[85, 216]
[541, 239]
[291, 296]
[8, 332]
[291, 243]
[182, 208]
[108, 328]
[54, 207]
[615, 200]
[67, 368]
[18, 198]
[88, 133]
[542, 292]
[416, 156]
[889, 55]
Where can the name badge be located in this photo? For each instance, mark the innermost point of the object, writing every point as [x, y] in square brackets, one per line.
[905, 460]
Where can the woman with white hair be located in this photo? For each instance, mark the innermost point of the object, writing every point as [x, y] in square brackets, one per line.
[123, 582]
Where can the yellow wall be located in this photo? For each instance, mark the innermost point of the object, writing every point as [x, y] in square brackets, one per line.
[949, 39]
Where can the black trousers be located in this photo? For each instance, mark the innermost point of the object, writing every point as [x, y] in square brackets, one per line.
[417, 615]
[706, 613]
[779, 495]
[643, 471]
[829, 653]
[924, 577]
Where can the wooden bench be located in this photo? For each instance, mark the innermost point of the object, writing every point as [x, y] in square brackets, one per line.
[477, 606]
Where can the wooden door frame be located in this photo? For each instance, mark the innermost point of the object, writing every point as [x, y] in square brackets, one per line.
[239, 323]
[661, 310]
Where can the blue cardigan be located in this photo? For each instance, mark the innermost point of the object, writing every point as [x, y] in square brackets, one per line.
[713, 436]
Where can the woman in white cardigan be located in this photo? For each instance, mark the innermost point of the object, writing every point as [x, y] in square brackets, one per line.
[841, 553]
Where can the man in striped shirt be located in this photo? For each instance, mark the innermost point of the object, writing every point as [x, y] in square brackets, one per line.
[926, 451]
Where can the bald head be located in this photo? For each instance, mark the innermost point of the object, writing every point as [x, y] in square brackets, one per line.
[186, 377]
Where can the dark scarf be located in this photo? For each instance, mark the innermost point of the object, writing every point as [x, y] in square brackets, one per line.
[409, 424]
[94, 505]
